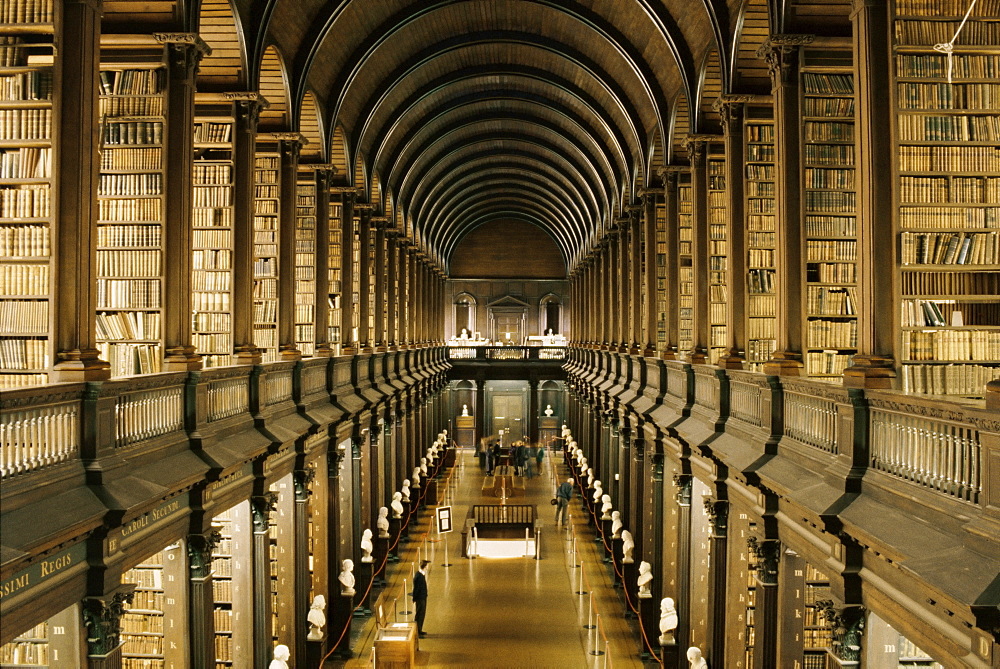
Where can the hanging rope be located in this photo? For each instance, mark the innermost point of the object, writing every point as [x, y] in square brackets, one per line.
[949, 47]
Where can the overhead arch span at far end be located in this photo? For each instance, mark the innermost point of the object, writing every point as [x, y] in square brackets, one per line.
[499, 249]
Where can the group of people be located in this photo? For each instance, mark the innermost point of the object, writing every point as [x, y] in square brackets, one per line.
[523, 457]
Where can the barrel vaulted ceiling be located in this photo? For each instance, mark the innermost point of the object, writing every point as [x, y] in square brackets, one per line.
[447, 115]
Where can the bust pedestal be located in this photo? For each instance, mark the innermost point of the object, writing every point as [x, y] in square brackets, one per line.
[671, 654]
[341, 613]
[408, 512]
[315, 650]
[606, 541]
[395, 527]
[380, 554]
[616, 558]
[649, 615]
[363, 574]
[630, 572]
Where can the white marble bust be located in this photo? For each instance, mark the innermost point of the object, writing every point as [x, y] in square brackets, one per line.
[366, 546]
[628, 544]
[383, 522]
[465, 409]
[415, 477]
[316, 618]
[397, 505]
[668, 620]
[598, 491]
[590, 477]
[281, 656]
[695, 660]
[605, 507]
[405, 490]
[423, 466]
[645, 579]
[548, 410]
[616, 524]
[346, 578]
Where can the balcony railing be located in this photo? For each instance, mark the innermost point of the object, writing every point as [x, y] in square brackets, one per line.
[506, 353]
[39, 428]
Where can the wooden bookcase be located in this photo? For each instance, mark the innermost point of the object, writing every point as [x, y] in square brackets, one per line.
[130, 223]
[335, 274]
[30, 649]
[355, 308]
[829, 206]
[661, 296]
[267, 190]
[232, 586]
[947, 130]
[154, 628]
[685, 305]
[305, 262]
[52, 643]
[27, 59]
[718, 250]
[816, 634]
[751, 605]
[759, 193]
[212, 240]
[374, 309]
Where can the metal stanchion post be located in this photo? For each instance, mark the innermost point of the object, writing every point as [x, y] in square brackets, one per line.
[405, 613]
[581, 591]
[596, 650]
[590, 616]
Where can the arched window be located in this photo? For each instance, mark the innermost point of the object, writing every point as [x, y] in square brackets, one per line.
[550, 314]
[465, 314]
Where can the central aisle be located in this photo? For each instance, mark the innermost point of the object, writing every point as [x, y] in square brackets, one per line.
[512, 612]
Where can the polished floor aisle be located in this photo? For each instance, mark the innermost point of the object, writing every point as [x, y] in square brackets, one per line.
[509, 612]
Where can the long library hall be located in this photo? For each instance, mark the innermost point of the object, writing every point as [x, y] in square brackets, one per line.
[689, 306]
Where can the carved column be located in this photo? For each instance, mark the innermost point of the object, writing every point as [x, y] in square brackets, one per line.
[202, 599]
[348, 308]
[847, 625]
[382, 304]
[75, 300]
[261, 507]
[718, 518]
[697, 147]
[183, 51]
[289, 146]
[781, 52]
[873, 366]
[102, 617]
[532, 435]
[682, 483]
[671, 177]
[321, 298]
[732, 109]
[767, 552]
[247, 112]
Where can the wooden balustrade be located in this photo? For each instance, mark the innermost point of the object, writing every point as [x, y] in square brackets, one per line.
[927, 445]
[677, 380]
[148, 413]
[276, 384]
[706, 387]
[313, 378]
[746, 400]
[38, 429]
[228, 397]
[811, 414]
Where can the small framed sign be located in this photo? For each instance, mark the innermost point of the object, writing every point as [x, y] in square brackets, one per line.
[443, 519]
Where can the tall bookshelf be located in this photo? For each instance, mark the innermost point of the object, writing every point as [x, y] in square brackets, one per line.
[51, 643]
[335, 313]
[759, 207]
[749, 639]
[829, 207]
[212, 240]
[816, 634]
[152, 628]
[305, 262]
[685, 305]
[265, 251]
[718, 251]
[130, 219]
[355, 286]
[222, 590]
[29, 649]
[662, 301]
[26, 214]
[947, 128]
[375, 306]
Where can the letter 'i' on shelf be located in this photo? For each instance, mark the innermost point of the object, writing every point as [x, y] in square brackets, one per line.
[265, 253]
[718, 251]
[335, 272]
[948, 208]
[130, 219]
[26, 161]
[685, 306]
[829, 210]
[305, 262]
[759, 189]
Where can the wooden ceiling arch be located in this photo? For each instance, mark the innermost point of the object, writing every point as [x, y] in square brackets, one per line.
[310, 125]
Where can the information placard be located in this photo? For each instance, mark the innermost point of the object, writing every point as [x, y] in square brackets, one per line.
[444, 519]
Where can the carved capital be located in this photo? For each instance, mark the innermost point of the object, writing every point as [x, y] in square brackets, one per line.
[718, 515]
[683, 484]
[767, 553]
[302, 479]
[847, 624]
[200, 548]
[262, 506]
[781, 53]
[103, 619]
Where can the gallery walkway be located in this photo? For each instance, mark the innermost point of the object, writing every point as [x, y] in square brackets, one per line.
[513, 612]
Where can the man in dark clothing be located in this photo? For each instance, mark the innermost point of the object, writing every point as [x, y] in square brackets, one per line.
[419, 596]
[563, 495]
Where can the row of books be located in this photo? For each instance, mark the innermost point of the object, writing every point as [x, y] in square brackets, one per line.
[133, 132]
[128, 293]
[147, 600]
[24, 316]
[760, 239]
[142, 623]
[763, 153]
[911, 217]
[760, 281]
[142, 663]
[949, 158]
[24, 652]
[212, 217]
[826, 363]
[265, 312]
[212, 132]
[204, 280]
[820, 250]
[950, 248]
[948, 96]
[213, 239]
[212, 173]
[760, 350]
[26, 163]
[977, 345]
[24, 241]
[26, 11]
[828, 131]
[211, 322]
[136, 644]
[209, 344]
[960, 379]
[830, 300]
[761, 189]
[8, 381]
[829, 178]
[224, 649]
[939, 8]
[832, 272]
[265, 289]
[827, 84]
[19, 354]
[223, 617]
[839, 155]
[130, 184]
[132, 82]
[213, 196]
[760, 257]
[961, 66]
[128, 325]
[949, 189]
[928, 33]
[760, 328]
[130, 209]
[130, 106]
[828, 107]
[129, 235]
[25, 124]
[950, 283]
[23, 279]
[210, 301]
[136, 158]
[217, 259]
[831, 334]
[759, 132]
[130, 263]
[919, 313]
[831, 201]
[131, 359]
[145, 578]
[957, 128]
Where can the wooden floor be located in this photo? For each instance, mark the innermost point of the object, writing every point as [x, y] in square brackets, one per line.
[514, 612]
